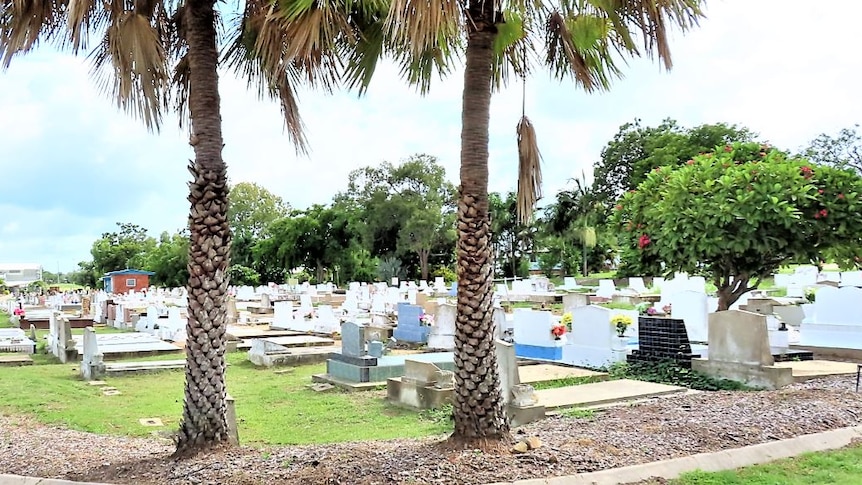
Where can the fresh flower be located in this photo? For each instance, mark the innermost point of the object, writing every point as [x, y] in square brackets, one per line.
[651, 311]
[621, 322]
[558, 331]
[566, 320]
[667, 309]
[18, 312]
[643, 241]
[426, 320]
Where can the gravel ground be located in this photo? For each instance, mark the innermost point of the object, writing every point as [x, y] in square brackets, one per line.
[620, 436]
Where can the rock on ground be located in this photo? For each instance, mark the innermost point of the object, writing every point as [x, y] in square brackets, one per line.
[626, 435]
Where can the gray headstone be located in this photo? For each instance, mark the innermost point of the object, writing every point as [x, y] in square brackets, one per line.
[32, 332]
[92, 366]
[507, 365]
[352, 339]
[376, 348]
[422, 373]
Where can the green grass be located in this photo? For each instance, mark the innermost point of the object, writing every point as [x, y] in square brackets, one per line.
[840, 467]
[567, 381]
[271, 408]
[4, 320]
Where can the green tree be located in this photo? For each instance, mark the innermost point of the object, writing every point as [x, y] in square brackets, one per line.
[737, 215]
[402, 209]
[169, 260]
[636, 150]
[123, 249]
[85, 275]
[511, 240]
[243, 275]
[843, 150]
[252, 208]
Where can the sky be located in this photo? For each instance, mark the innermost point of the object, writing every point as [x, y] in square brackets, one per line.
[73, 165]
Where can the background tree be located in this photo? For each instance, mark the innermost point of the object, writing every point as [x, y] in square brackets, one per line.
[571, 220]
[123, 249]
[843, 150]
[252, 208]
[511, 240]
[169, 260]
[636, 150]
[737, 215]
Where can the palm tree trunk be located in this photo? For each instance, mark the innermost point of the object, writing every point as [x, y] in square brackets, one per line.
[480, 419]
[204, 422]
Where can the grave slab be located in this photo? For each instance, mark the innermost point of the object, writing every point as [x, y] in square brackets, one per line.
[15, 360]
[530, 374]
[603, 393]
[812, 369]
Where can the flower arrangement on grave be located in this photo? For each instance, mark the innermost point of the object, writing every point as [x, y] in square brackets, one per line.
[426, 320]
[644, 307]
[667, 309]
[558, 331]
[810, 294]
[18, 312]
[567, 320]
[621, 323]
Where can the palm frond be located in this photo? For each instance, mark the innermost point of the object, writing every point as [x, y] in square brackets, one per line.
[587, 236]
[423, 25]
[529, 171]
[652, 19]
[132, 64]
[580, 45]
[23, 23]
[419, 69]
[362, 53]
[273, 81]
[512, 48]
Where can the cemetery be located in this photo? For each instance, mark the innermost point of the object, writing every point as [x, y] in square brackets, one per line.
[237, 305]
[384, 353]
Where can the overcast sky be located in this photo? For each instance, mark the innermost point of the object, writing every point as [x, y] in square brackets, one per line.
[72, 165]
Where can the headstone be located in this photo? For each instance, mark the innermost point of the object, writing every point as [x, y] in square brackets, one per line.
[442, 333]
[574, 300]
[420, 373]
[352, 339]
[507, 366]
[837, 320]
[690, 307]
[92, 365]
[637, 283]
[662, 339]
[606, 289]
[410, 328]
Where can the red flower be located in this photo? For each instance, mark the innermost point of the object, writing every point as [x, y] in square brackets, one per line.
[690, 162]
[806, 172]
[728, 148]
[824, 213]
[643, 241]
[820, 191]
[840, 196]
[619, 207]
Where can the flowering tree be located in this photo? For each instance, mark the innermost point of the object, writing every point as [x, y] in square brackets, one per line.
[738, 214]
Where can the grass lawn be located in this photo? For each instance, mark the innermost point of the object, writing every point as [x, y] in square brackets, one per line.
[271, 408]
[840, 467]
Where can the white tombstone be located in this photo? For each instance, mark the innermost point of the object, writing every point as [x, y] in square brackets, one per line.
[851, 278]
[637, 283]
[92, 366]
[837, 319]
[606, 289]
[283, 315]
[533, 327]
[591, 340]
[691, 307]
[442, 334]
[326, 321]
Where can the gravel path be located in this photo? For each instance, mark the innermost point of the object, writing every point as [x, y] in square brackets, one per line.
[625, 435]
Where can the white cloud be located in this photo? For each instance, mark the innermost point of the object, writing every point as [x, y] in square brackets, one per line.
[787, 69]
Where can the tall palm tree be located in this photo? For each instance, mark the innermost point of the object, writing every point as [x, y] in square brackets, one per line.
[578, 38]
[156, 54]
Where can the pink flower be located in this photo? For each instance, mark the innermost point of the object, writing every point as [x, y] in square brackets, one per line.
[643, 241]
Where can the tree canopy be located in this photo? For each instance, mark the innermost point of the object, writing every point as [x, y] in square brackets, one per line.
[737, 214]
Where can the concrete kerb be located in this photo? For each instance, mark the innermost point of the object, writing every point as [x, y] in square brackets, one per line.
[708, 462]
[667, 469]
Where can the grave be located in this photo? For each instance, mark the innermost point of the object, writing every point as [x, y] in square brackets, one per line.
[353, 368]
[15, 360]
[279, 351]
[837, 320]
[410, 328]
[60, 342]
[739, 350]
[129, 344]
[442, 333]
[92, 365]
[533, 338]
[662, 339]
[593, 342]
[15, 340]
[522, 408]
[423, 386]
[598, 394]
[575, 300]
[691, 307]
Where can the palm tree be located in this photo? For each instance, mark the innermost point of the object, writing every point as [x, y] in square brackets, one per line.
[580, 38]
[155, 54]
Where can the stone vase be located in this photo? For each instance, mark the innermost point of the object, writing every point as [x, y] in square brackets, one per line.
[619, 344]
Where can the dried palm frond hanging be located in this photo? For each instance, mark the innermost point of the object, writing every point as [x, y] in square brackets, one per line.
[529, 167]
